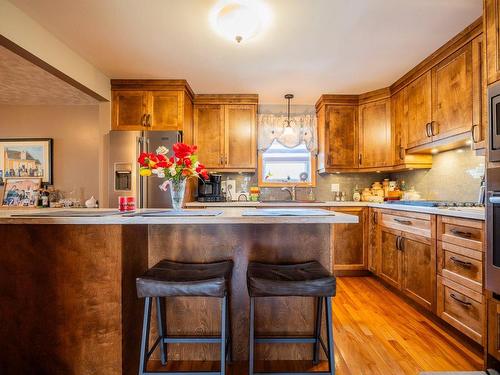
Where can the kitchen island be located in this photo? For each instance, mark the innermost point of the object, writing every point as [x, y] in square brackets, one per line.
[68, 301]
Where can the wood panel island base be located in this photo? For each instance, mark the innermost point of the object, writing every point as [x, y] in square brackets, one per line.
[68, 302]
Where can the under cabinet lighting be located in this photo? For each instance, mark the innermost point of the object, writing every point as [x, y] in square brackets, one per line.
[434, 151]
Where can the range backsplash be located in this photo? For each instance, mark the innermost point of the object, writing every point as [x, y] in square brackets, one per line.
[455, 175]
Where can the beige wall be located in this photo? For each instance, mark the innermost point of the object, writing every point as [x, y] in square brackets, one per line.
[77, 131]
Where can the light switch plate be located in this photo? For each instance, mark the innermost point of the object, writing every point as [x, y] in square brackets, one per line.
[335, 188]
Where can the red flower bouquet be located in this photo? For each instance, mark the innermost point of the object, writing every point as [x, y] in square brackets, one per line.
[175, 170]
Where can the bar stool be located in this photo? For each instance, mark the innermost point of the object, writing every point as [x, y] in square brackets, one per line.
[173, 279]
[309, 279]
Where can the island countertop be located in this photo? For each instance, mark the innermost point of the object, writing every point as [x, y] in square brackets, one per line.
[227, 215]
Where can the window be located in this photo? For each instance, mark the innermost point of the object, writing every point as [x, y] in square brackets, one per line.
[281, 166]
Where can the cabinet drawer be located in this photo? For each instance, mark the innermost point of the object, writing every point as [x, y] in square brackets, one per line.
[462, 232]
[419, 224]
[461, 307]
[462, 265]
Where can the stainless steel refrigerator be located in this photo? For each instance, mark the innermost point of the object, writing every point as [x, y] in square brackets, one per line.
[123, 169]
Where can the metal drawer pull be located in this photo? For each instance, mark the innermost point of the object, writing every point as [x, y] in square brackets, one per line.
[465, 303]
[495, 200]
[459, 233]
[402, 221]
[461, 262]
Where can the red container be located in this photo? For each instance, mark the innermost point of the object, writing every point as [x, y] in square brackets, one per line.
[122, 203]
[130, 203]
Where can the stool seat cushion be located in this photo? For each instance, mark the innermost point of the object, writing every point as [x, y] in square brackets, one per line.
[303, 279]
[170, 279]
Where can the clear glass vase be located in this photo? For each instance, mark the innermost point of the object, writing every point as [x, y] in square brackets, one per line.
[177, 189]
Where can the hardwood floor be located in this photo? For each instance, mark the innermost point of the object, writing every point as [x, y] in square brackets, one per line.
[376, 333]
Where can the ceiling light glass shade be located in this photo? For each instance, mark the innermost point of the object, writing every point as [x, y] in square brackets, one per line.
[288, 130]
[239, 20]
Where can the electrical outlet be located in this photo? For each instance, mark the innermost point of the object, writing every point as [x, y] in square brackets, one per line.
[335, 188]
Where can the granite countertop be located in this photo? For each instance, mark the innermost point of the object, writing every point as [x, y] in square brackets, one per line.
[228, 215]
[477, 213]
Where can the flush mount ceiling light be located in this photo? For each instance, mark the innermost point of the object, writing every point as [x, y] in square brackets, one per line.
[239, 20]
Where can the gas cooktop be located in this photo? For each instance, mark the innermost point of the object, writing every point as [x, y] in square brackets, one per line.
[442, 204]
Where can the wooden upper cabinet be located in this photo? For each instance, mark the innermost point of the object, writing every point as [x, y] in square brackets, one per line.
[129, 110]
[452, 95]
[419, 269]
[166, 110]
[399, 118]
[151, 104]
[419, 111]
[375, 140]
[226, 133]
[492, 25]
[241, 136]
[209, 134]
[341, 137]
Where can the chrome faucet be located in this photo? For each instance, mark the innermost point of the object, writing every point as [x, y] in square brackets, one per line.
[291, 191]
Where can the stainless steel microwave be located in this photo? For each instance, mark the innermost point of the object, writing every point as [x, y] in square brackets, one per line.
[494, 121]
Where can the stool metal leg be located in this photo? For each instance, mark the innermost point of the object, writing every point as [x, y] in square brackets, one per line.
[160, 314]
[329, 330]
[145, 335]
[251, 342]
[223, 326]
[317, 333]
[229, 330]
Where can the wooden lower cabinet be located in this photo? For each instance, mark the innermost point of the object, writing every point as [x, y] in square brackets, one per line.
[461, 307]
[494, 328]
[390, 257]
[408, 263]
[373, 252]
[419, 269]
[350, 247]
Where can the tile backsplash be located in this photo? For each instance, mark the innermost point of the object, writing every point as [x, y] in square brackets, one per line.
[455, 175]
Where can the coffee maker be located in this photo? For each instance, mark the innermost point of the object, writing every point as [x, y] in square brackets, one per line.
[210, 190]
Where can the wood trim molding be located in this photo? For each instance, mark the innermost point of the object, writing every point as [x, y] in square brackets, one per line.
[153, 84]
[465, 36]
[334, 99]
[18, 50]
[375, 95]
[226, 99]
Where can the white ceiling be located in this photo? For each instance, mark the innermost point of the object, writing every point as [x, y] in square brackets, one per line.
[312, 46]
[23, 83]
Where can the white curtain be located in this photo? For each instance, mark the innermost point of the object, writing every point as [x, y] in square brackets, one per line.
[272, 127]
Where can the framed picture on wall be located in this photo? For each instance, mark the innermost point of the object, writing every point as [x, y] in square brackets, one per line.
[20, 192]
[26, 158]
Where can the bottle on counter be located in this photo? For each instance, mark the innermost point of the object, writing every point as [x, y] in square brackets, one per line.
[356, 196]
[44, 195]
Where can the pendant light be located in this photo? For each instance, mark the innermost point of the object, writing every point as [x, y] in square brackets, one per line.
[287, 124]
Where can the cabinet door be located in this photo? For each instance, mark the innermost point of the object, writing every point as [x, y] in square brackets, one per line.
[419, 269]
[419, 110]
[129, 110]
[399, 116]
[390, 257]
[342, 136]
[492, 25]
[241, 137]
[209, 134]
[165, 110]
[452, 95]
[494, 328]
[375, 141]
[373, 249]
[349, 241]
[479, 92]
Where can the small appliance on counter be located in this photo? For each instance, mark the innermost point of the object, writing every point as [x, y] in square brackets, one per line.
[211, 190]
